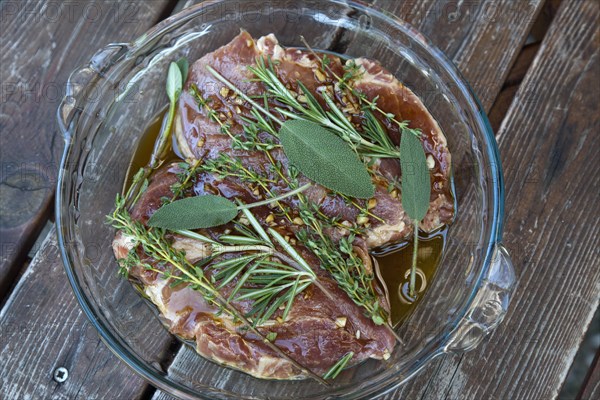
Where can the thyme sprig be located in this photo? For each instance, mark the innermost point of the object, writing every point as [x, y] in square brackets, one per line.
[207, 211]
[251, 130]
[341, 262]
[416, 186]
[185, 177]
[227, 166]
[155, 245]
[225, 126]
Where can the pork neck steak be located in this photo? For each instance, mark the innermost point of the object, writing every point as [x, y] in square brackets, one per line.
[318, 330]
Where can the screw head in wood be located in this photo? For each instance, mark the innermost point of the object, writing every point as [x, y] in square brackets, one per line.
[61, 374]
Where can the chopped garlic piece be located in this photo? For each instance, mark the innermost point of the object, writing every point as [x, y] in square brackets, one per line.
[341, 322]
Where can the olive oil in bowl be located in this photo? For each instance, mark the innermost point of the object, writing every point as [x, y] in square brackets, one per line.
[394, 261]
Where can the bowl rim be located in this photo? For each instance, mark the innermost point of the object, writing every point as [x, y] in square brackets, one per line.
[489, 144]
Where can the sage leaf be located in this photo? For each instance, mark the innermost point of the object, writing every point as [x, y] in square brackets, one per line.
[416, 182]
[183, 65]
[325, 158]
[194, 213]
[174, 82]
[174, 86]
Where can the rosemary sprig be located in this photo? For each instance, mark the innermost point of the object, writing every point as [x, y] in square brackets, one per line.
[155, 245]
[312, 111]
[353, 71]
[260, 123]
[272, 283]
[278, 283]
[339, 366]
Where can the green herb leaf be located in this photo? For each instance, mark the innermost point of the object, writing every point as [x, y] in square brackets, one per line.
[208, 211]
[174, 82]
[325, 158]
[183, 65]
[338, 366]
[194, 213]
[174, 86]
[416, 183]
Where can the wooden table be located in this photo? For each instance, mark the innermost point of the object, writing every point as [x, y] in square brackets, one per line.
[535, 65]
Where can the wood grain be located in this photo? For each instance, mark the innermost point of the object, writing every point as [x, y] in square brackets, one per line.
[523, 62]
[41, 43]
[511, 85]
[42, 328]
[547, 141]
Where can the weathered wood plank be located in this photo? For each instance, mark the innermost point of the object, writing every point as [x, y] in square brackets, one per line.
[42, 328]
[548, 140]
[41, 43]
[472, 24]
[523, 62]
[482, 37]
[591, 387]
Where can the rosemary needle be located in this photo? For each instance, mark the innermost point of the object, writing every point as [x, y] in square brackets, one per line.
[338, 367]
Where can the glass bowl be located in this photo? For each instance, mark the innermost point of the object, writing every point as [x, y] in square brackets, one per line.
[108, 105]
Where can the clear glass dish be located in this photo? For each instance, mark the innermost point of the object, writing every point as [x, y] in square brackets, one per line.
[108, 105]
